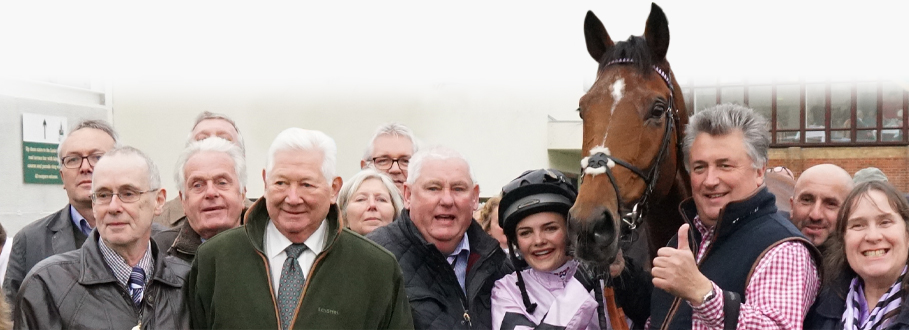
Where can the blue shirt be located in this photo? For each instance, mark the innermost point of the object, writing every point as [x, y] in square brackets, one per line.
[458, 261]
[79, 221]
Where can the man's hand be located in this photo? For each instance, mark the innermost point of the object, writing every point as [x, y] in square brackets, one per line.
[617, 266]
[676, 272]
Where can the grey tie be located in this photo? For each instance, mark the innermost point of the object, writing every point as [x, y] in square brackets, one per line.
[291, 284]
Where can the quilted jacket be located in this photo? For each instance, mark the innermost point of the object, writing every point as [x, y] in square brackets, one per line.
[436, 298]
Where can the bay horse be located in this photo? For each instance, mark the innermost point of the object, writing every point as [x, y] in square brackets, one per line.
[634, 117]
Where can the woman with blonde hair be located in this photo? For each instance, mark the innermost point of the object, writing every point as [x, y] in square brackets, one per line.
[489, 220]
[369, 200]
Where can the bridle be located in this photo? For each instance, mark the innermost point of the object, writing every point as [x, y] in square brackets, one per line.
[603, 162]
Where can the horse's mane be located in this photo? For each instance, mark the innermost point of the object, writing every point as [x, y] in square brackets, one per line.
[635, 49]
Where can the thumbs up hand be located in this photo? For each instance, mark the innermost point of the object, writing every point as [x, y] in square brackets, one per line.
[675, 271]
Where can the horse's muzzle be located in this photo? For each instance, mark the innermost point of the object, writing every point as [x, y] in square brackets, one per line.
[595, 239]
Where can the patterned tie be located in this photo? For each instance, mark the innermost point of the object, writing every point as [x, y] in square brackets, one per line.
[136, 284]
[291, 284]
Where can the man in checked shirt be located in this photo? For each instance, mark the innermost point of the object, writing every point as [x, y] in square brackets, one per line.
[736, 264]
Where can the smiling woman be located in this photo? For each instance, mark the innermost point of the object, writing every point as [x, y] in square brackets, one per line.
[556, 290]
[866, 263]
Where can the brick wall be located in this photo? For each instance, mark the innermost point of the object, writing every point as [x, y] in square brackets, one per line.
[893, 161]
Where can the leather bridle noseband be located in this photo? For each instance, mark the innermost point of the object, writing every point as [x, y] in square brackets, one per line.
[602, 162]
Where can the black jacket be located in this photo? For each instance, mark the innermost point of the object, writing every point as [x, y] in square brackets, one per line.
[38, 240]
[830, 306]
[431, 285]
[745, 231]
[77, 290]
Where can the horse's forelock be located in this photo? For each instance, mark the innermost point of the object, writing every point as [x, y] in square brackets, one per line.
[634, 49]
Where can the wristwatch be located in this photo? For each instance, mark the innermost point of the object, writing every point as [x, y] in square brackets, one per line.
[710, 295]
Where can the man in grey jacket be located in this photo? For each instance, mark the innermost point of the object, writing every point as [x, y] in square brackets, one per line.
[118, 279]
[64, 230]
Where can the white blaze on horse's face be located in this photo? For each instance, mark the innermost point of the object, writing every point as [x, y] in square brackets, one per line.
[618, 90]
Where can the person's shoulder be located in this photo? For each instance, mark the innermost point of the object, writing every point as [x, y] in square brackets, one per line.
[59, 263]
[166, 238]
[369, 249]
[38, 227]
[226, 240]
[387, 235]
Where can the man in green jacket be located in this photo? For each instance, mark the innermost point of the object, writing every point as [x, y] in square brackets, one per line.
[293, 266]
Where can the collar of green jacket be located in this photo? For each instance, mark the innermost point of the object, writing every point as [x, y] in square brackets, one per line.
[257, 220]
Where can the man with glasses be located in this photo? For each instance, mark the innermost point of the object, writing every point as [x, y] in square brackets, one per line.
[67, 229]
[390, 151]
[119, 279]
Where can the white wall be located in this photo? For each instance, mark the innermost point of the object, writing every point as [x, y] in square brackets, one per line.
[480, 76]
[501, 129]
[21, 203]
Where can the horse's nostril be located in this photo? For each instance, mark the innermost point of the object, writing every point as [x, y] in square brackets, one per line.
[604, 230]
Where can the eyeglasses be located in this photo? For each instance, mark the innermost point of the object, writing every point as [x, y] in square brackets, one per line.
[125, 195]
[783, 170]
[76, 161]
[385, 163]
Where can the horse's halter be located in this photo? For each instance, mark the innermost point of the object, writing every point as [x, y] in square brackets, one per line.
[603, 162]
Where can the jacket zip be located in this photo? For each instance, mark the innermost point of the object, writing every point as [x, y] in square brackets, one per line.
[271, 290]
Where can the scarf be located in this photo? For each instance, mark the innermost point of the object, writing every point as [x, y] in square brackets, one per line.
[857, 316]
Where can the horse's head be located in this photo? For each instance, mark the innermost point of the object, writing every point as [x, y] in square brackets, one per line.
[631, 126]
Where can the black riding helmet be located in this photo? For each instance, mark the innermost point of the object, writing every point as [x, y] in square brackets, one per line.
[544, 190]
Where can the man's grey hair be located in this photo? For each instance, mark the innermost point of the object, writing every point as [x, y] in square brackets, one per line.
[211, 144]
[302, 139]
[206, 115]
[154, 177]
[351, 186]
[89, 123]
[437, 153]
[393, 129]
[725, 119]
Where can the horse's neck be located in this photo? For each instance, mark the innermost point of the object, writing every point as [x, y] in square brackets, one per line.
[663, 218]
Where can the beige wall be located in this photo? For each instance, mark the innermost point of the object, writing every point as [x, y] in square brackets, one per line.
[502, 130]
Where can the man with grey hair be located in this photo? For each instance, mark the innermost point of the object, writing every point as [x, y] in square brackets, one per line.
[211, 176]
[119, 278]
[450, 263]
[293, 265]
[390, 150]
[816, 199]
[736, 263]
[67, 229]
[207, 124]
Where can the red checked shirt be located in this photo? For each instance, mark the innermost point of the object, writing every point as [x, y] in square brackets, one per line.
[782, 288]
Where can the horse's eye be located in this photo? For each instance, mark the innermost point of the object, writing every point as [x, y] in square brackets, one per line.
[658, 109]
[580, 113]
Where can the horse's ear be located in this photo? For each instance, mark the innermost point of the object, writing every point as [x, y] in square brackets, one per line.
[657, 33]
[598, 41]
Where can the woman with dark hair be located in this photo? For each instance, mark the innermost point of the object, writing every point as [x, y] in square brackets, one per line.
[865, 284]
[554, 291]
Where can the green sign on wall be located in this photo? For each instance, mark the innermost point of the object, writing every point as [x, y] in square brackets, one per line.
[39, 163]
[41, 135]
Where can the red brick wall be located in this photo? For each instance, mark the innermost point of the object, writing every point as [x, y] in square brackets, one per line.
[893, 161]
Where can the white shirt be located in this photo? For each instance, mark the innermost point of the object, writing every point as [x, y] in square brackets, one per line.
[275, 243]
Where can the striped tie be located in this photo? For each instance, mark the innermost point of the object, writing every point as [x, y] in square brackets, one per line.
[291, 284]
[136, 284]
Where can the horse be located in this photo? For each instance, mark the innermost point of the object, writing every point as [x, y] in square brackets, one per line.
[633, 116]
